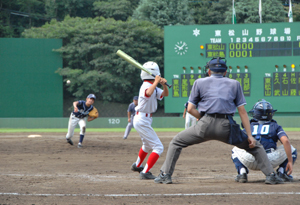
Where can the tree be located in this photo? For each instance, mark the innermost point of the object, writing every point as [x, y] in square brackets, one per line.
[120, 10]
[247, 12]
[164, 12]
[89, 53]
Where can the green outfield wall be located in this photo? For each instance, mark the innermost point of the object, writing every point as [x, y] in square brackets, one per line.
[29, 85]
[121, 122]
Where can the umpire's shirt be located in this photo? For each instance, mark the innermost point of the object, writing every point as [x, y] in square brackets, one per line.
[217, 94]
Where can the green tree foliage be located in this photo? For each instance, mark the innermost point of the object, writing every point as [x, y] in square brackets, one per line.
[89, 53]
[164, 12]
[58, 9]
[210, 12]
[17, 15]
[247, 11]
[120, 10]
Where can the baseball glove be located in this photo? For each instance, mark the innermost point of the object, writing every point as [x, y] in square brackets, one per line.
[94, 113]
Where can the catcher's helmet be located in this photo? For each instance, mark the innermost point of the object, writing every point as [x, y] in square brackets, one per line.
[152, 67]
[262, 110]
[217, 65]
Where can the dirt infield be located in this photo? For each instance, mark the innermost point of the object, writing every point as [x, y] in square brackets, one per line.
[47, 170]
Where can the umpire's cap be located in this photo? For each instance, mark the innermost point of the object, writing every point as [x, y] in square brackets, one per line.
[91, 96]
[217, 65]
[135, 97]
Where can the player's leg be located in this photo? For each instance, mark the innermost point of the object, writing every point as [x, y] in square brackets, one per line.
[190, 136]
[82, 125]
[187, 120]
[137, 166]
[241, 169]
[71, 127]
[263, 162]
[281, 171]
[150, 142]
[153, 143]
[128, 128]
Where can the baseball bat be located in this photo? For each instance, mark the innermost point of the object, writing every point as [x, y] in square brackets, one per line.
[133, 62]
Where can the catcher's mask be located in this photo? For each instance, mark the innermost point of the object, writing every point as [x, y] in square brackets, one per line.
[262, 110]
[217, 65]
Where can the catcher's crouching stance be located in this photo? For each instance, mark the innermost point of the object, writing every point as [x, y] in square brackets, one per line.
[267, 132]
[82, 110]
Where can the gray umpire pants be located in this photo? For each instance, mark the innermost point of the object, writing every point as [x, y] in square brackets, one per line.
[210, 128]
[128, 127]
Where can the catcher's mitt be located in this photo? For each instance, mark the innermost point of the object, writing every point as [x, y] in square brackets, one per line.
[94, 113]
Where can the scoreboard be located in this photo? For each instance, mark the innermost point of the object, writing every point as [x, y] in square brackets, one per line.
[264, 58]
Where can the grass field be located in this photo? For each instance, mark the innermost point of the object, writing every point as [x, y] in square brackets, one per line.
[4, 130]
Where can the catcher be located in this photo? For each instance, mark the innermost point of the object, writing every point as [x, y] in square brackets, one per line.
[267, 132]
[82, 110]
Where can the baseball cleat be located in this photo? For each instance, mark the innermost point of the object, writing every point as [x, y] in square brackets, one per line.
[125, 137]
[273, 179]
[147, 175]
[285, 177]
[70, 141]
[242, 178]
[79, 145]
[165, 179]
[136, 169]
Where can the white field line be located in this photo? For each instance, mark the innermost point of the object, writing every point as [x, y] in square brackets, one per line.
[159, 195]
[116, 177]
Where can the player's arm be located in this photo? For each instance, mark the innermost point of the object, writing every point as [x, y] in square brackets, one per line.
[165, 92]
[245, 120]
[151, 89]
[75, 106]
[90, 118]
[129, 116]
[287, 147]
[193, 111]
[184, 112]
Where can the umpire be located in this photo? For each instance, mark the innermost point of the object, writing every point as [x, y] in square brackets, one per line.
[219, 97]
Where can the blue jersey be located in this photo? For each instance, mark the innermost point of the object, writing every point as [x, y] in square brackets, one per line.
[131, 108]
[83, 110]
[267, 133]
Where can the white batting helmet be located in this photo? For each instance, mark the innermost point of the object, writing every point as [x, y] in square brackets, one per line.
[152, 67]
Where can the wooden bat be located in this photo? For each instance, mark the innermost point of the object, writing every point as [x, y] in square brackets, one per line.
[133, 62]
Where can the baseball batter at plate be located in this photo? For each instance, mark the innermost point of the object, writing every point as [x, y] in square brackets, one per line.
[266, 130]
[130, 115]
[79, 116]
[219, 98]
[147, 104]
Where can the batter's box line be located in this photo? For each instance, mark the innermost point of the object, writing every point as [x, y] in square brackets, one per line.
[159, 195]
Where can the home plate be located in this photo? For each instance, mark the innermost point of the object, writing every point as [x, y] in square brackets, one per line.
[33, 136]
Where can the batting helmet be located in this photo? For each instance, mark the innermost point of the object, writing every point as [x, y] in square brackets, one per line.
[217, 65]
[152, 67]
[262, 110]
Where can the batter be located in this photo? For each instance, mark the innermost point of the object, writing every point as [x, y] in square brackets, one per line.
[147, 105]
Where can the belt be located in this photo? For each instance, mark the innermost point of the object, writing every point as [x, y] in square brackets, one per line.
[144, 114]
[216, 115]
[77, 117]
[270, 150]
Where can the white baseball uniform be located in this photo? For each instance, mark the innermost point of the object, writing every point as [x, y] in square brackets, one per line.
[143, 118]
